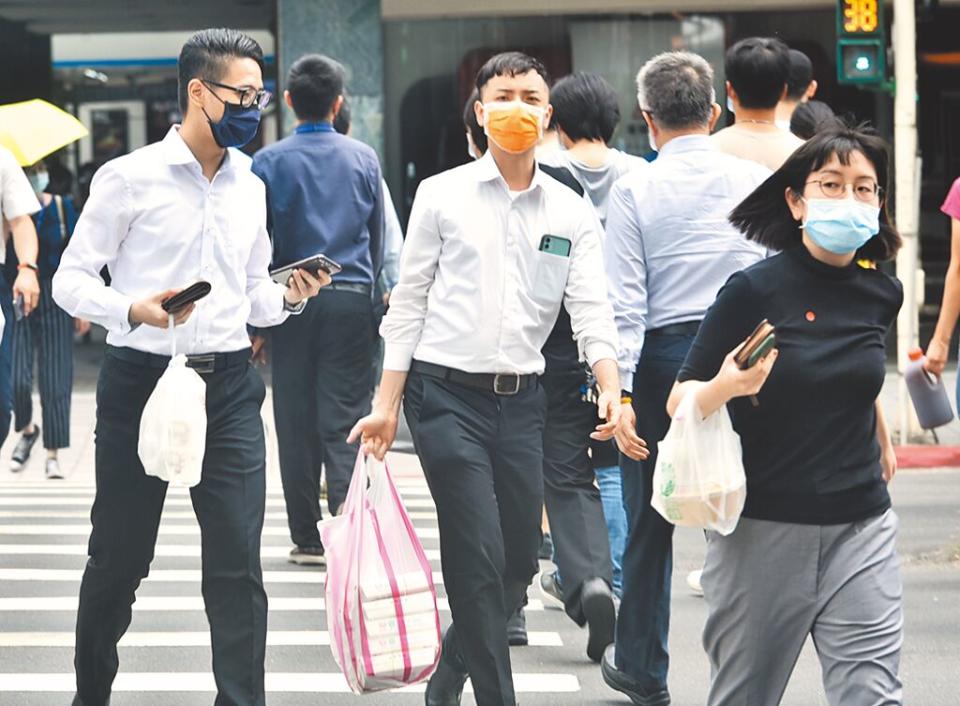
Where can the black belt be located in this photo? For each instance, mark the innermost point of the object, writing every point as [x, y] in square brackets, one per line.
[497, 383]
[204, 363]
[687, 328]
[365, 289]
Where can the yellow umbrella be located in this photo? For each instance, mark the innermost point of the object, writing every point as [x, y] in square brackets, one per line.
[33, 129]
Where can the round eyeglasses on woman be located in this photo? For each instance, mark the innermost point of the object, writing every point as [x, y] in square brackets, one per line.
[249, 96]
[865, 190]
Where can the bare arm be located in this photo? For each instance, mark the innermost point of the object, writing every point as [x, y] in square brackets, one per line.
[27, 248]
[939, 348]
[729, 383]
[888, 456]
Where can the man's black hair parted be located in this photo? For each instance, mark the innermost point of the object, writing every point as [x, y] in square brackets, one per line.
[470, 122]
[585, 107]
[758, 68]
[315, 81]
[765, 218]
[510, 63]
[206, 53]
[800, 75]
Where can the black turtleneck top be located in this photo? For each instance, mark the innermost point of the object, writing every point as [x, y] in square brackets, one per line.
[810, 449]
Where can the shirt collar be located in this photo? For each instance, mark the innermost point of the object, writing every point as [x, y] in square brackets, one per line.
[687, 143]
[176, 151]
[487, 170]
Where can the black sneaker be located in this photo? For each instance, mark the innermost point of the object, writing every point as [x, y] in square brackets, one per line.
[517, 629]
[596, 602]
[551, 590]
[21, 452]
[626, 684]
[307, 556]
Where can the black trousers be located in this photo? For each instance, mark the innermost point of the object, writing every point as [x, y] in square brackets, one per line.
[47, 336]
[322, 361]
[577, 524]
[482, 456]
[229, 504]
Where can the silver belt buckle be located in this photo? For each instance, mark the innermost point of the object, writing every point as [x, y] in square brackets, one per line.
[499, 388]
[202, 364]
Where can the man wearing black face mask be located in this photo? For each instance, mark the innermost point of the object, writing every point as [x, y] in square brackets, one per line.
[167, 215]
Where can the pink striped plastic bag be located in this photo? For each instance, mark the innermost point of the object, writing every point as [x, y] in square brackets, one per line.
[381, 603]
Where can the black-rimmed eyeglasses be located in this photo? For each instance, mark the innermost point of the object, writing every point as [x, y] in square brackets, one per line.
[249, 96]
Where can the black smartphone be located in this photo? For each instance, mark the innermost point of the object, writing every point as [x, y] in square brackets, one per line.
[312, 264]
[555, 245]
[194, 292]
[18, 313]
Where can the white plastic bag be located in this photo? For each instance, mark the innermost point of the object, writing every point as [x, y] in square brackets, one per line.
[380, 598]
[699, 479]
[173, 428]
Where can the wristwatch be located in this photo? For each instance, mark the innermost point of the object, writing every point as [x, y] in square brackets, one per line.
[294, 308]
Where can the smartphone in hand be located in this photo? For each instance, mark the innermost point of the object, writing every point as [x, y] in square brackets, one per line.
[18, 313]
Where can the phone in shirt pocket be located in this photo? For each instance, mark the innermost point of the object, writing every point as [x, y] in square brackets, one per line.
[555, 245]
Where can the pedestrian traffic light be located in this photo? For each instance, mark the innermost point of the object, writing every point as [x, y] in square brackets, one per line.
[861, 43]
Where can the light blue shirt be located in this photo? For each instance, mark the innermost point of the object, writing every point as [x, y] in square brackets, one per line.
[669, 245]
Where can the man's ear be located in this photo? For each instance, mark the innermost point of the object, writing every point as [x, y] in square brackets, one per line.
[288, 99]
[195, 89]
[337, 105]
[547, 118]
[811, 90]
[478, 112]
[715, 112]
[731, 94]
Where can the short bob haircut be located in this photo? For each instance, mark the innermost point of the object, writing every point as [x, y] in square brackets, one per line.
[585, 107]
[765, 218]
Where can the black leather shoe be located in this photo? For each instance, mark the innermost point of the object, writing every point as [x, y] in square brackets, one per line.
[517, 629]
[626, 684]
[596, 602]
[445, 686]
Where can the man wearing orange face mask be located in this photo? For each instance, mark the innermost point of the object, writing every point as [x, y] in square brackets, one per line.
[493, 249]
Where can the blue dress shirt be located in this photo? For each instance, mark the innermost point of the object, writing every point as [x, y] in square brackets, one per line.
[324, 195]
[669, 245]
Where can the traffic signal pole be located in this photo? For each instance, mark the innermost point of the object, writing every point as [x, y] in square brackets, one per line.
[907, 192]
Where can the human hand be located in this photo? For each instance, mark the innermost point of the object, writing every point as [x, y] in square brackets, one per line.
[150, 311]
[28, 286]
[81, 326]
[376, 432]
[302, 286]
[937, 353]
[888, 460]
[744, 383]
[629, 443]
[259, 354]
[608, 409]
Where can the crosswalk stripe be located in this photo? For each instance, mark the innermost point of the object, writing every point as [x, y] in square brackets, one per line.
[84, 530]
[276, 682]
[164, 550]
[275, 638]
[167, 515]
[172, 576]
[186, 603]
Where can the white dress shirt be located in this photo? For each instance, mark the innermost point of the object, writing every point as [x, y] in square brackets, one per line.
[157, 223]
[475, 292]
[16, 198]
[669, 245]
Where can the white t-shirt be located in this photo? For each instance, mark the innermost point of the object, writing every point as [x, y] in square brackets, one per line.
[16, 195]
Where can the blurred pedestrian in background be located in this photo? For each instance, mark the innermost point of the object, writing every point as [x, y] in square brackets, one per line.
[813, 554]
[669, 248]
[18, 202]
[938, 351]
[45, 337]
[324, 195]
[757, 71]
[801, 88]
[811, 117]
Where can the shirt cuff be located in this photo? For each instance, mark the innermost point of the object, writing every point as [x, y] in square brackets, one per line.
[294, 308]
[118, 308]
[595, 351]
[626, 379]
[397, 356]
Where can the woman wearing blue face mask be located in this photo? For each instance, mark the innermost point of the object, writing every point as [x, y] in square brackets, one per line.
[813, 553]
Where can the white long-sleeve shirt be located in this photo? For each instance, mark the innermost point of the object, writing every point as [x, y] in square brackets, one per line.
[475, 291]
[157, 223]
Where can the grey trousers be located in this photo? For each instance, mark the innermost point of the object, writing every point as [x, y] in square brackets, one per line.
[771, 584]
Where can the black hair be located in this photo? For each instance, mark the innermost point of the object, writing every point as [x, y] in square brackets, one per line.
[811, 117]
[585, 107]
[765, 218]
[205, 56]
[758, 68]
[800, 75]
[315, 81]
[470, 122]
[510, 63]
[341, 121]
